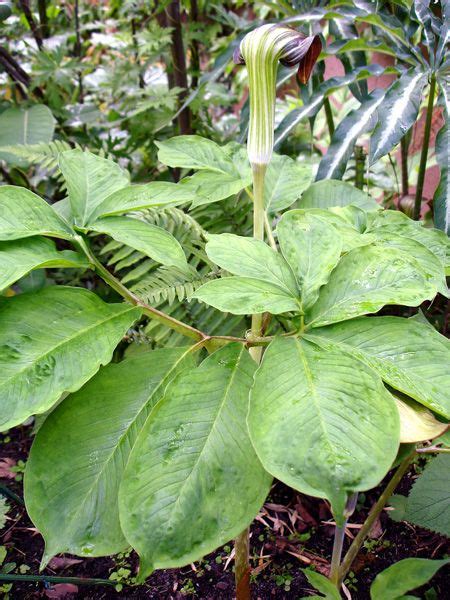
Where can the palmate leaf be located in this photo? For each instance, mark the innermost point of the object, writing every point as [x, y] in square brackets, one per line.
[89, 179]
[51, 342]
[321, 421]
[315, 102]
[365, 280]
[72, 494]
[408, 355]
[357, 122]
[153, 241]
[19, 257]
[404, 576]
[312, 247]
[24, 214]
[398, 112]
[330, 193]
[193, 463]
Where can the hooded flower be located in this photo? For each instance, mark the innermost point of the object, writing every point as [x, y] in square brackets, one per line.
[260, 51]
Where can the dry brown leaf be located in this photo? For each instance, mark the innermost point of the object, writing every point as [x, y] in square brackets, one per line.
[5, 468]
[61, 562]
[61, 590]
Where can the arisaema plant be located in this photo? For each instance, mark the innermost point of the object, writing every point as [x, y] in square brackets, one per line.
[173, 452]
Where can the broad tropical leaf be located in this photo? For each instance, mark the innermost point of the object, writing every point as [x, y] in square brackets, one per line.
[246, 295]
[404, 576]
[349, 233]
[209, 186]
[321, 421]
[428, 503]
[138, 197]
[312, 247]
[19, 257]
[332, 192]
[149, 239]
[51, 342]
[248, 257]
[23, 214]
[89, 179]
[285, 181]
[397, 113]
[357, 122]
[72, 493]
[410, 356]
[193, 463]
[365, 280]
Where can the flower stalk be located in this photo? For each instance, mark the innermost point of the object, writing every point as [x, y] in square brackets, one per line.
[261, 50]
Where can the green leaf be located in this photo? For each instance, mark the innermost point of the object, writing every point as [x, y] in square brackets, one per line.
[322, 584]
[284, 183]
[23, 214]
[149, 239]
[430, 265]
[365, 280]
[209, 186]
[397, 113]
[410, 356]
[349, 234]
[357, 122]
[72, 494]
[325, 194]
[138, 197]
[428, 503]
[404, 576]
[396, 222]
[321, 421]
[246, 295]
[441, 200]
[195, 152]
[248, 257]
[52, 342]
[90, 179]
[312, 247]
[25, 126]
[193, 463]
[19, 257]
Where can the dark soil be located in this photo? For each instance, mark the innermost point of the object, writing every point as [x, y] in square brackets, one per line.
[291, 533]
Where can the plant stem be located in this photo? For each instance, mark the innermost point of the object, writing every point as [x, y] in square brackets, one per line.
[404, 146]
[269, 233]
[241, 543]
[424, 154]
[5, 491]
[371, 518]
[51, 579]
[329, 115]
[339, 536]
[151, 312]
[360, 161]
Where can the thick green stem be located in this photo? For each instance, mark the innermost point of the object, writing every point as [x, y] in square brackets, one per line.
[241, 543]
[372, 517]
[404, 145]
[329, 115]
[151, 312]
[424, 154]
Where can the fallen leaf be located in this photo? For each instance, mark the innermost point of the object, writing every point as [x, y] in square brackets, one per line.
[377, 531]
[61, 590]
[5, 468]
[61, 562]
